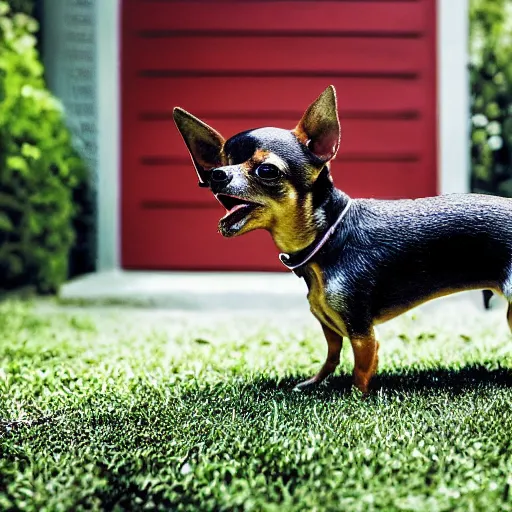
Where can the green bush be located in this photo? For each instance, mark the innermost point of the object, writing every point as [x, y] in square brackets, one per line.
[491, 95]
[39, 169]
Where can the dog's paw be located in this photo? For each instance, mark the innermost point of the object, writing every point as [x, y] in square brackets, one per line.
[307, 385]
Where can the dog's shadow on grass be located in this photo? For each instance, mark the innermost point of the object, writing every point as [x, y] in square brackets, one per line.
[406, 380]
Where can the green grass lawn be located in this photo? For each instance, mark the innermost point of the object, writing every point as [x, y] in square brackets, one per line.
[144, 410]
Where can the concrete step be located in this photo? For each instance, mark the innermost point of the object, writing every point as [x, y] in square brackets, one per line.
[189, 290]
[210, 291]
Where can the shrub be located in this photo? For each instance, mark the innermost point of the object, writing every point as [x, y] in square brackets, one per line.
[491, 96]
[39, 169]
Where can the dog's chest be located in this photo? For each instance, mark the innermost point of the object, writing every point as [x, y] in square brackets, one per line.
[322, 301]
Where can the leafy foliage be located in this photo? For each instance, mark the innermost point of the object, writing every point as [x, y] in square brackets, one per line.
[491, 93]
[39, 169]
[141, 410]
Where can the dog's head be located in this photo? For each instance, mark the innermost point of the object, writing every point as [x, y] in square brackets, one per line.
[266, 177]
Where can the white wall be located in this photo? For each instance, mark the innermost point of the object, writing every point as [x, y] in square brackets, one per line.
[80, 48]
[69, 50]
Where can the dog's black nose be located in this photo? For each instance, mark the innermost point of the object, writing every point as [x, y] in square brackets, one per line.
[221, 177]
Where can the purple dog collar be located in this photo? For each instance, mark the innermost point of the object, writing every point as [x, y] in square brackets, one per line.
[283, 257]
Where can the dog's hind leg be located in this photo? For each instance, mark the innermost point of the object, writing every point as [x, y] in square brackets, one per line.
[366, 359]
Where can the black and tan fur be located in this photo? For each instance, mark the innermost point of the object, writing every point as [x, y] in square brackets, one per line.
[385, 257]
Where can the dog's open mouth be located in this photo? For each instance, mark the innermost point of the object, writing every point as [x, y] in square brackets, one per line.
[237, 213]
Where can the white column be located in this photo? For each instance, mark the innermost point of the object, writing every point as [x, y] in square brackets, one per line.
[108, 90]
[453, 96]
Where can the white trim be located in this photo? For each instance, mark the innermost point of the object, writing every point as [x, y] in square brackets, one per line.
[453, 96]
[108, 96]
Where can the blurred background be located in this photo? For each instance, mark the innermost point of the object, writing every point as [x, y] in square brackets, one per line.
[94, 175]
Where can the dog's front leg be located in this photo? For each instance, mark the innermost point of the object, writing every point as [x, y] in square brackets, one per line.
[366, 359]
[334, 345]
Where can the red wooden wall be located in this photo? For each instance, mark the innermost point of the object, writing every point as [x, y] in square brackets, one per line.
[244, 64]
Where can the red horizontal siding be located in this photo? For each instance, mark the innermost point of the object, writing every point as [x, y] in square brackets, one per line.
[386, 17]
[216, 96]
[187, 239]
[281, 55]
[242, 64]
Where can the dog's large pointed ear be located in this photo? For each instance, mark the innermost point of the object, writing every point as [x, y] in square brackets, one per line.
[319, 128]
[203, 142]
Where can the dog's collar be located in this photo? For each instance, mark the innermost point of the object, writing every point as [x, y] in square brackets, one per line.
[285, 258]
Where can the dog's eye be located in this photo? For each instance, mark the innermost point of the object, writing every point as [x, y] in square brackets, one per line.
[267, 172]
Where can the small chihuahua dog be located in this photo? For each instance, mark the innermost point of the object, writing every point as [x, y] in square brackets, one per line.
[365, 261]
